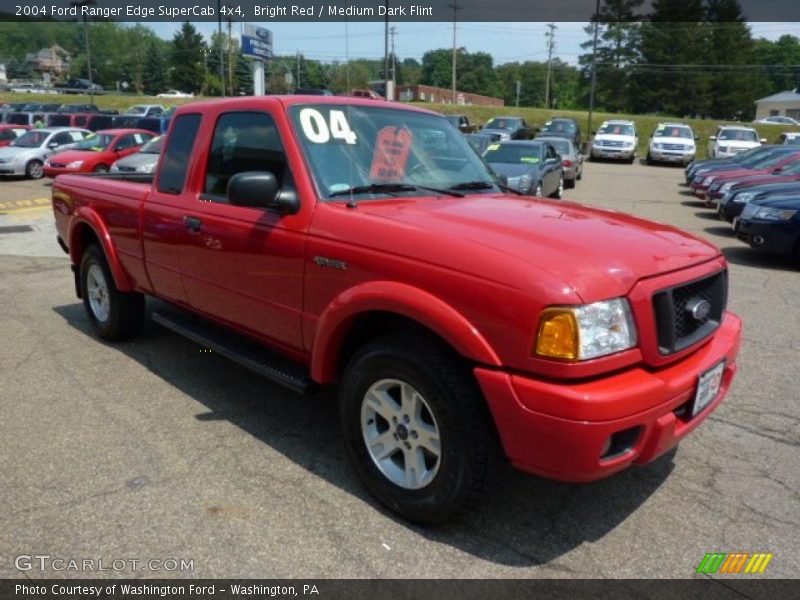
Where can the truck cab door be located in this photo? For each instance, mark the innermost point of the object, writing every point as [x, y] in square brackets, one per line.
[162, 225]
[244, 264]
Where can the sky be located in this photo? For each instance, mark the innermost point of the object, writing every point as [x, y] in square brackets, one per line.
[507, 42]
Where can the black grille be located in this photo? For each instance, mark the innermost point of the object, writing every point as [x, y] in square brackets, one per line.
[678, 327]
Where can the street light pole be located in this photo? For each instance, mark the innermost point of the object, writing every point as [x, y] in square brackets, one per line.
[221, 49]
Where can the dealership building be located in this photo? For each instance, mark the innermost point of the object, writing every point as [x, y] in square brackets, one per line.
[784, 104]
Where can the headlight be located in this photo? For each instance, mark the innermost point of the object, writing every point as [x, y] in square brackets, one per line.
[656, 146]
[525, 182]
[743, 197]
[114, 168]
[773, 214]
[726, 186]
[629, 144]
[722, 148]
[584, 332]
[75, 164]
[148, 168]
[708, 180]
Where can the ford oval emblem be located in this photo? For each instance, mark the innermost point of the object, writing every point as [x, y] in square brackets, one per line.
[699, 309]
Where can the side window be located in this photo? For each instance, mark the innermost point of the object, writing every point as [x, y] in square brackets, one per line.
[175, 162]
[61, 139]
[243, 141]
[123, 143]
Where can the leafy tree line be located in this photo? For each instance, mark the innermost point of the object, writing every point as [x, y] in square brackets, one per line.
[690, 57]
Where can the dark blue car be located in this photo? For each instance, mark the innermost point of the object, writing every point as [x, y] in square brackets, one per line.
[773, 225]
[732, 204]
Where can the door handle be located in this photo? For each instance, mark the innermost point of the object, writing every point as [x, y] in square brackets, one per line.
[193, 224]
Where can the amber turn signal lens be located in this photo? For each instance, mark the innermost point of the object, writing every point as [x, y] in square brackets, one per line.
[558, 334]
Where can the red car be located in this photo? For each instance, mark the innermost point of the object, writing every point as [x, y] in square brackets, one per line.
[342, 241]
[8, 133]
[98, 152]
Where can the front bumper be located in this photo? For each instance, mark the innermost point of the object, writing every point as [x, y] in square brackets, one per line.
[613, 153]
[561, 429]
[776, 237]
[12, 168]
[672, 156]
[728, 211]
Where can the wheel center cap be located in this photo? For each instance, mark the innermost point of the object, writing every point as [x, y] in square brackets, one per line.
[402, 432]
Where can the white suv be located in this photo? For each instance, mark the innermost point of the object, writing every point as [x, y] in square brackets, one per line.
[730, 140]
[615, 139]
[672, 142]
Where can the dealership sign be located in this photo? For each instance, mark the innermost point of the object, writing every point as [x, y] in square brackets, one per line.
[256, 42]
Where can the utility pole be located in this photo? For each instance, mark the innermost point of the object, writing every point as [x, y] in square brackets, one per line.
[551, 43]
[455, 8]
[78, 4]
[221, 49]
[230, 55]
[594, 64]
[297, 83]
[386, 53]
[392, 33]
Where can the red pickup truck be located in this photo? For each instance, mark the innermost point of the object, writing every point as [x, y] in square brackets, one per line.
[341, 241]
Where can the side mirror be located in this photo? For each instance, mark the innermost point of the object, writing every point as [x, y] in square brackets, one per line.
[697, 137]
[763, 140]
[777, 169]
[713, 138]
[594, 132]
[260, 189]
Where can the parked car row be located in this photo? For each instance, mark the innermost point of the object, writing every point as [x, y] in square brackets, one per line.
[758, 192]
[152, 117]
[54, 150]
[543, 166]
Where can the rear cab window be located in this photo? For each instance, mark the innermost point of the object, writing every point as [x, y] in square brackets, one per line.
[175, 162]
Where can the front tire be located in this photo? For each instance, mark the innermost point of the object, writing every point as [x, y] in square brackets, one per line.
[416, 427]
[115, 315]
[101, 169]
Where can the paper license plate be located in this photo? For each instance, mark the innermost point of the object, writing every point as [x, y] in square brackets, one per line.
[707, 387]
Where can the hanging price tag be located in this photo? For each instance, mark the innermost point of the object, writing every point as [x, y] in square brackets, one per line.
[389, 159]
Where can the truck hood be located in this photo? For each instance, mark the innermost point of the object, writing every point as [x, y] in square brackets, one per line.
[673, 140]
[599, 253]
[514, 169]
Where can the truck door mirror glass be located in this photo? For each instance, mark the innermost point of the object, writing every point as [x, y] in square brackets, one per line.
[260, 189]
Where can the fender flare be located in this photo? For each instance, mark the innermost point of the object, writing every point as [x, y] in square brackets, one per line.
[89, 217]
[401, 299]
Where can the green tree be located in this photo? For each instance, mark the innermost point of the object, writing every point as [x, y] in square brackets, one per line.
[617, 48]
[154, 80]
[730, 45]
[672, 41]
[187, 73]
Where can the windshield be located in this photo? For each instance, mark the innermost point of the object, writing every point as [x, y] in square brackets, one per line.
[358, 146]
[31, 139]
[673, 131]
[137, 110]
[616, 129]
[154, 146]
[739, 135]
[513, 153]
[561, 127]
[503, 123]
[95, 143]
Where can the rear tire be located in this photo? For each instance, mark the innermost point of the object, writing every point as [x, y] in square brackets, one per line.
[115, 315]
[416, 427]
[560, 189]
[34, 169]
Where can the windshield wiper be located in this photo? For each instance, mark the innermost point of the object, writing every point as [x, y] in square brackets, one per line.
[390, 188]
[484, 185]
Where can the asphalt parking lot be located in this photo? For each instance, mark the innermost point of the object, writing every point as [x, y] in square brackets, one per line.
[155, 450]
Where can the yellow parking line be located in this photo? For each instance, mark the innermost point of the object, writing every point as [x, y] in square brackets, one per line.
[13, 206]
